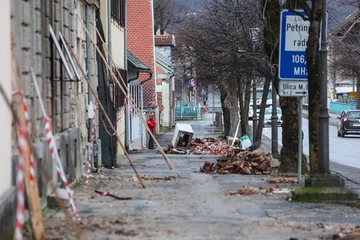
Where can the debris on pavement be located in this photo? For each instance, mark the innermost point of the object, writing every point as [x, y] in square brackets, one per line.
[242, 162]
[146, 177]
[245, 190]
[204, 146]
[282, 180]
[108, 193]
[182, 135]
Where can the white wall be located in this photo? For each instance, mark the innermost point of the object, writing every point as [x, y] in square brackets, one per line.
[5, 81]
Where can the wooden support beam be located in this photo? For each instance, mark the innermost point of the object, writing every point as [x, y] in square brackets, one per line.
[105, 113]
[32, 191]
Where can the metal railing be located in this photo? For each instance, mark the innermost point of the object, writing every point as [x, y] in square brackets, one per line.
[187, 111]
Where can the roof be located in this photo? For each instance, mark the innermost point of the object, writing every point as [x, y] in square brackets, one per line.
[346, 25]
[164, 40]
[140, 40]
[135, 62]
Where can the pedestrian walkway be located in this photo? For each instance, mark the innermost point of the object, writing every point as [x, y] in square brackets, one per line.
[198, 205]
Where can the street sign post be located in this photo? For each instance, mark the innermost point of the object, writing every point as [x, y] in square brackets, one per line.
[293, 74]
[293, 88]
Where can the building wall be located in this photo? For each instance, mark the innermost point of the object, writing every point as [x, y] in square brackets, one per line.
[64, 102]
[118, 56]
[141, 42]
[5, 81]
[7, 182]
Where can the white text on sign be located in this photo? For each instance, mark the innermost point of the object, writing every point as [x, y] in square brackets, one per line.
[299, 70]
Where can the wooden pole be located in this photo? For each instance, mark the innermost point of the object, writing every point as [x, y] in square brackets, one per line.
[46, 174]
[105, 114]
[32, 191]
[171, 166]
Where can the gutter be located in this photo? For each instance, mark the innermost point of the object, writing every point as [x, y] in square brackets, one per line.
[88, 66]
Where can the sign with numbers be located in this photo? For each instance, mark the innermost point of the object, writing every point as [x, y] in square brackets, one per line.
[294, 32]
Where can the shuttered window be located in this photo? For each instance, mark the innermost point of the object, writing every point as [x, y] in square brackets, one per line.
[118, 11]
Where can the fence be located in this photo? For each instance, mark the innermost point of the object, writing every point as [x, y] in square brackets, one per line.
[336, 107]
[187, 111]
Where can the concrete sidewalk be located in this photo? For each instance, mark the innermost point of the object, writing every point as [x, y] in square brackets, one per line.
[198, 205]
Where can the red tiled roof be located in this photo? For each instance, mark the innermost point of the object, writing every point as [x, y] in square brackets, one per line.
[141, 41]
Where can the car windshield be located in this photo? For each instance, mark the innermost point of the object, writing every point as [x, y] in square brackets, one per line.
[354, 114]
[269, 110]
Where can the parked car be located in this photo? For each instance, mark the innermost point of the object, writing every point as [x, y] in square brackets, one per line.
[251, 112]
[268, 114]
[349, 123]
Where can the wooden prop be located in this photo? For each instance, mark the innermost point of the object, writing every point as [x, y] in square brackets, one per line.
[171, 166]
[105, 114]
[111, 194]
[32, 191]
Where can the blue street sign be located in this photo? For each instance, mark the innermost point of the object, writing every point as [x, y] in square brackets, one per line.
[294, 33]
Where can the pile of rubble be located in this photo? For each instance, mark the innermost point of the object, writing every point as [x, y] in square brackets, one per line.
[204, 146]
[243, 162]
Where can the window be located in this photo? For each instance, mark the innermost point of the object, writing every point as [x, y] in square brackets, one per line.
[118, 11]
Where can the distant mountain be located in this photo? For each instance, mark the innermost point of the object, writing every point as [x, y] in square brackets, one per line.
[338, 9]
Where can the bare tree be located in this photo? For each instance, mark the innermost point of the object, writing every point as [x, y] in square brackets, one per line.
[168, 14]
[225, 55]
[345, 51]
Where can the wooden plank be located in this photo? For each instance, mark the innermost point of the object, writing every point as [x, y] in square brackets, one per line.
[32, 191]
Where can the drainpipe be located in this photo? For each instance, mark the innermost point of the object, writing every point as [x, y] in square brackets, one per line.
[128, 135]
[143, 128]
[109, 46]
[170, 100]
[88, 66]
[109, 32]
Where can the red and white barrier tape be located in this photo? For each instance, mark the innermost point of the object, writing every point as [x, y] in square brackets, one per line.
[32, 162]
[107, 131]
[53, 151]
[20, 183]
[91, 148]
[129, 105]
[56, 160]
[17, 92]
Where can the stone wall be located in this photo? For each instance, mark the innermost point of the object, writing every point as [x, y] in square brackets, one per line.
[65, 100]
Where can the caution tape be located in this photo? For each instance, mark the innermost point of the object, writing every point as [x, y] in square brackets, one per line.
[56, 160]
[129, 105]
[20, 183]
[105, 127]
[91, 148]
[32, 162]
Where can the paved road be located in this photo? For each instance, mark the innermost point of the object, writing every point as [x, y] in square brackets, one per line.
[343, 151]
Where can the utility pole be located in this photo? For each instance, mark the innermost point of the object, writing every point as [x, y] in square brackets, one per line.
[274, 123]
[254, 110]
[324, 114]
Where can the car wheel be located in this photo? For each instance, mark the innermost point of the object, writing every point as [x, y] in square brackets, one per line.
[338, 133]
[342, 134]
